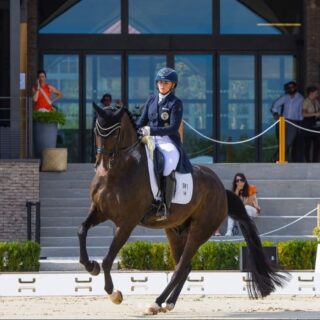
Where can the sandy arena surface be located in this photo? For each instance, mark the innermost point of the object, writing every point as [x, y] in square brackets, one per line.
[188, 307]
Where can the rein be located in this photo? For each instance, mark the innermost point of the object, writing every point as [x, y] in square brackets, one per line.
[104, 133]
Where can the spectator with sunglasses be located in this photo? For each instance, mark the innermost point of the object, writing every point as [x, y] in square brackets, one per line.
[248, 194]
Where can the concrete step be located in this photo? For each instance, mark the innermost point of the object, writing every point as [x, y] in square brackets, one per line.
[65, 202]
[66, 175]
[76, 167]
[62, 212]
[265, 188]
[287, 206]
[100, 230]
[96, 241]
[64, 184]
[269, 205]
[76, 193]
[265, 171]
[303, 227]
[283, 188]
[65, 222]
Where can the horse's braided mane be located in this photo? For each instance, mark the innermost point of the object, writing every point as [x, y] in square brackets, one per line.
[130, 117]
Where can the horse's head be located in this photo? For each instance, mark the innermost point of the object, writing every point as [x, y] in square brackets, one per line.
[114, 132]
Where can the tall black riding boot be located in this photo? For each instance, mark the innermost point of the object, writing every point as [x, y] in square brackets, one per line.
[168, 187]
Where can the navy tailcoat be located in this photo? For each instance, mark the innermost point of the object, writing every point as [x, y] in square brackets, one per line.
[164, 119]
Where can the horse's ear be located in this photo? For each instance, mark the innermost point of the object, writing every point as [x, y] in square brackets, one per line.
[97, 109]
[119, 113]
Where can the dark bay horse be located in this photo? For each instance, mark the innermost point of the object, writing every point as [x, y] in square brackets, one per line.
[120, 191]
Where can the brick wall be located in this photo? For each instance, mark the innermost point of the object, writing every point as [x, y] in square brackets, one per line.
[312, 42]
[19, 183]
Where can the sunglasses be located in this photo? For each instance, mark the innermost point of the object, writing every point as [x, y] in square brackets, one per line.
[240, 180]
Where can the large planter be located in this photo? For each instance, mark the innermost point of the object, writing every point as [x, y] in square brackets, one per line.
[44, 136]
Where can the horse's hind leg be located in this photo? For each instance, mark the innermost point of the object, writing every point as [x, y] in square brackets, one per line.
[177, 244]
[91, 266]
[183, 254]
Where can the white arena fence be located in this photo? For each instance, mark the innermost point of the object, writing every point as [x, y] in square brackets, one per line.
[145, 283]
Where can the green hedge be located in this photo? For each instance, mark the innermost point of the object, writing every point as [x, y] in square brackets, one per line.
[297, 255]
[143, 255]
[17, 256]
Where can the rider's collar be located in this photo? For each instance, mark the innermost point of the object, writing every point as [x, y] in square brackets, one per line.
[163, 96]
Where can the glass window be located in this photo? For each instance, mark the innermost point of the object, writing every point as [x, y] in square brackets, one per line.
[142, 71]
[276, 71]
[259, 17]
[63, 73]
[170, 17]
[103, 75]
[237, 107]
[195, 90]
[5, 64]
[85, 16]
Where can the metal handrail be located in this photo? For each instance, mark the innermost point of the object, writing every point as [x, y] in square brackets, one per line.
[29, 205]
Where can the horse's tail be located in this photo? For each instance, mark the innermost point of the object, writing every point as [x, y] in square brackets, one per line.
[264, 276]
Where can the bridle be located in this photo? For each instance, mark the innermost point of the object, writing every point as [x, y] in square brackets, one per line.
[104, 133]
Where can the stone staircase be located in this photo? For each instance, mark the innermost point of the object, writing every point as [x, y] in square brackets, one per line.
[285, 193]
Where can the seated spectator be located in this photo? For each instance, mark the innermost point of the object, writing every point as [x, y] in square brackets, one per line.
[248, 194]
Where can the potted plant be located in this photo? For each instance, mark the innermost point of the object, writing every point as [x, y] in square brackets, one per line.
[45, 130]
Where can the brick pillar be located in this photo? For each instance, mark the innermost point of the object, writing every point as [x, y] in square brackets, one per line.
[312, 42]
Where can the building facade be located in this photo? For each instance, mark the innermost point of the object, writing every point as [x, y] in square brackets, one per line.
[232, 57]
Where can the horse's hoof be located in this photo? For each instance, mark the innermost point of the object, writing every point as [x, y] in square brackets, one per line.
[116, 297]
[152, 310]
[96, 268]
[162, 309]
[168, 306]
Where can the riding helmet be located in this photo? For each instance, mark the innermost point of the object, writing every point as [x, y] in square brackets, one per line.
[167, 74]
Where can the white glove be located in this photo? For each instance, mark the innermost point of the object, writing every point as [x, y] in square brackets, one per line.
[145, 131]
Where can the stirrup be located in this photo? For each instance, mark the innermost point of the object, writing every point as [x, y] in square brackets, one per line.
[162, 212]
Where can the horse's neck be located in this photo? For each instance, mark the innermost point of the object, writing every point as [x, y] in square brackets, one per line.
[128, 132]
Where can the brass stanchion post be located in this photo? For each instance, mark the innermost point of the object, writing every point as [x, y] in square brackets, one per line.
[282, 141]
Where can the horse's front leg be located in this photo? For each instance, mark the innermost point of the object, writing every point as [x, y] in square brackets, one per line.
[121, 236]
[91, 266]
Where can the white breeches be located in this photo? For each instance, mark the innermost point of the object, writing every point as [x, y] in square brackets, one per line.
[170, 153]
[251, 211]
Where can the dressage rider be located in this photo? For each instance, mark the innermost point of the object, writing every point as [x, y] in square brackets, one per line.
[161, 118]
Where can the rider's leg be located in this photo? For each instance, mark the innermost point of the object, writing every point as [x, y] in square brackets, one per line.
[230, 226]
[168, 186]
[171, 156]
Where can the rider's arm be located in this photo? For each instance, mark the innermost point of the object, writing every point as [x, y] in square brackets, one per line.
[143, 120]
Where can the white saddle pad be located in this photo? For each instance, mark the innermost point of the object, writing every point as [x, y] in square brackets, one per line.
[184, 184]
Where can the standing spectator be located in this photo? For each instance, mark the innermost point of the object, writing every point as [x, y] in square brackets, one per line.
[291, 104]
[248, 194]
[106, 100]
[311, 113]
[42, 94]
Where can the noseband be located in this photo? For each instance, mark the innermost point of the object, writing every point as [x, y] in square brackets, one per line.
[104, 133]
